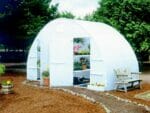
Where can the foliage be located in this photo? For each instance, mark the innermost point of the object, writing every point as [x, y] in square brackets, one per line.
[45, 73]
[38, 63]
[83, 60]
[66, 15]
[130, 17]
[26, 19]
[77, 66]
[2, 69]
[78, 40]
[7, 82]
[21, 20]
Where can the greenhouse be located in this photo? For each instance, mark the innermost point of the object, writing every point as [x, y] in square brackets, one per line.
[82, 53]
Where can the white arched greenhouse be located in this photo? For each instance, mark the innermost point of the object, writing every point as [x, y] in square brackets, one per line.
[77, 52]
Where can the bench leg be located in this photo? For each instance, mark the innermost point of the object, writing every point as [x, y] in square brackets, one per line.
[140, 87]
[117, 86]
[125, 88]
[132, 84]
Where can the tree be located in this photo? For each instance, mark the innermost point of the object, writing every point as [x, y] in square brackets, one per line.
[130, 17]
[25, 20]
[66, 15]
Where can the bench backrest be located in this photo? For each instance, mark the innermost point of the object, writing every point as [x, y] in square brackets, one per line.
[122, 74]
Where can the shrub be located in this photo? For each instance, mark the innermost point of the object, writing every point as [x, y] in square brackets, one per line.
[2, 69]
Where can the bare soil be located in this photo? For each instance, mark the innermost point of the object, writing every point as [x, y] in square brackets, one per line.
[111, 103]
[28, 99]
[131, 94]
[145, 76]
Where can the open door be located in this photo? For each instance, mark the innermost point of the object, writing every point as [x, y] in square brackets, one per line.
[38, 60]
[81, 54]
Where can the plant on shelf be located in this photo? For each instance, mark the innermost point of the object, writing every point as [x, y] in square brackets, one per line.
[84, 52]
[79, 40]
[45, 75]
[76, 49]
[38, 63]
[77, 66]
[83, 62]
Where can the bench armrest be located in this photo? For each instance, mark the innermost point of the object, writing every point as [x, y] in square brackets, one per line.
[135, 72]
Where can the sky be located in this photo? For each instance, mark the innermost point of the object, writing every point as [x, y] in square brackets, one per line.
[79, 8]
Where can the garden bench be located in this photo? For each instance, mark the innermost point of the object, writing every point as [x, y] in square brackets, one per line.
[125, 80]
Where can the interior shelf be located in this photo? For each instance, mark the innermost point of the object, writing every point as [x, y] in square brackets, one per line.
[81, 55]
[94, 74]
[78, 71]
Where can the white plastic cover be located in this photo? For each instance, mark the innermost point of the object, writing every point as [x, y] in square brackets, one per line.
[109, 51]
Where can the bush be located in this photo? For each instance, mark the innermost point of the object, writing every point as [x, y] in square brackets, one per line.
[2, 69]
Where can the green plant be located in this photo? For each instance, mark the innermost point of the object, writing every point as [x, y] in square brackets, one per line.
[83, 60]
[38, 63]
[129, 17]
[84, 52]
[7, 82]
[77, 66]
[45, 73]
[2, 69]
[79, 40]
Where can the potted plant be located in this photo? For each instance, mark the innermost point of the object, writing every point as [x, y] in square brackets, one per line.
[45, 75]
[79, 40]
[76, 49]
[7, 86]
[83, 63]
[77, 66]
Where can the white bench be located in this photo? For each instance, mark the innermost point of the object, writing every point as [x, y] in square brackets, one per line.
[125, 80]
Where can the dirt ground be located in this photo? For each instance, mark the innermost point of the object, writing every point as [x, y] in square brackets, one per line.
[145, 76]
[28, 99]
[131, 94]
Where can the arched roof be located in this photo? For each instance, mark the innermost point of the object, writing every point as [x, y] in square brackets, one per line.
[107, 45]
[112, 46]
